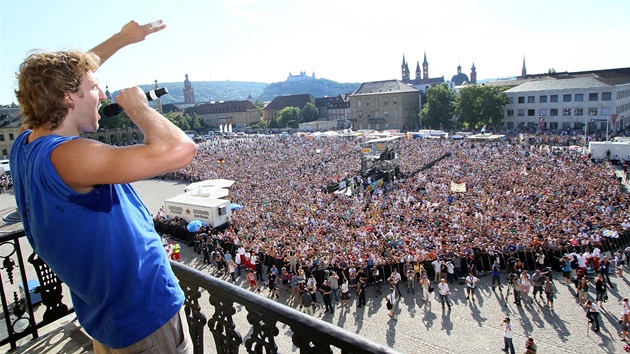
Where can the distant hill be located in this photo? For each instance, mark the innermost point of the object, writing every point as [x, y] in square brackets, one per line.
[206, 91]
[316, 87]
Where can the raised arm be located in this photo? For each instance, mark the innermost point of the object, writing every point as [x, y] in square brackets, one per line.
[131, 33]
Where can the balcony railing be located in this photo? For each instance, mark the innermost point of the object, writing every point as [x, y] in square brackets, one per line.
[220, 299]
[19, 317]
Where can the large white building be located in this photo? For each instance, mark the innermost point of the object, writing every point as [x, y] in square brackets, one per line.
[569, 100]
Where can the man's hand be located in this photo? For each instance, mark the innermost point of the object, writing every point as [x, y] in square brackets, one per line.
[132, 32]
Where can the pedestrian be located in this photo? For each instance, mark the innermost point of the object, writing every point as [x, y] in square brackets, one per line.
[437, 268]
[592, 314]
[600, 291]
[251, 278]
[582, 290]
[471, 284]
[391, 303]
[444, 292]
[530, 346]
[496, 275]
[345, 292]
[361, 292]
[394, 281]
[306, 302]
[508, 334]
[177, 249]
[333, 281]
[327, 295]
[63, 182]
[425, 283]
[550, 291]
[624, 319]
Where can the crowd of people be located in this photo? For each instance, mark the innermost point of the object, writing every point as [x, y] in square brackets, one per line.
[518, 197]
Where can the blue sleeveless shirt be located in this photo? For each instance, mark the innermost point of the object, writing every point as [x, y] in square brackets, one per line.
[102, 244]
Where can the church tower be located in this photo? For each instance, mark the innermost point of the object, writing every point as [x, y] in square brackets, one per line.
[418, 72]
[189, 92]
[404, 68]
[425, 69]
[473, 74]
[524, 69]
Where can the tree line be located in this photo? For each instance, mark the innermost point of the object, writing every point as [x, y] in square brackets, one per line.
[475, 106]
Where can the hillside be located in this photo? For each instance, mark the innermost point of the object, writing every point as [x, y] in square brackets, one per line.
[206, 91]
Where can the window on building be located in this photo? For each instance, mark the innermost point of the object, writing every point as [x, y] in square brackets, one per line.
[395, 101]
[543, 112]
[510, 100]
[579, 97]
[592, 111]
[11, 136]
[509, 113]
[531, 112]
[375, 103]
[566, 98]
[386, 115]
[521, 99]
[360, 115]
[395, 114]
[553, 98]
[531, 99]
[359, 103]
[385, 103]
[606, 96]
[553, 126]
[367, 104]
[579, 111]
[542, 99]
[593, 96]
[1, 137]
[566, 111]
[553, 112]
[606, 111]
[376, 115]
[509, 125]
[521, 112]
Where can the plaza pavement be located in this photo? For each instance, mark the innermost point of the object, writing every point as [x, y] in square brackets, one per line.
[470, 327]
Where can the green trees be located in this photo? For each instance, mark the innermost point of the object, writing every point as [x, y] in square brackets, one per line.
[439, 109]
[309, 113]
[480, 105]
[288, 117]
[476, 106]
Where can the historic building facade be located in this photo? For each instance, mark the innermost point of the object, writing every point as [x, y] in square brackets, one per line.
[563, 101]
[380, 105]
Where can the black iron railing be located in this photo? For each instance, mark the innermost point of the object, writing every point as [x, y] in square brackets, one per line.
[17, 295]
[309, 334]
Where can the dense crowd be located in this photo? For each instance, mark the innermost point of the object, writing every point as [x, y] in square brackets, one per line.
[520, 196]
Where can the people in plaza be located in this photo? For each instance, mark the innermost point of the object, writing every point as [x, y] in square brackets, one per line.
[592, 314]
[530, 346]
[471, 285]
[496, 275]
[113, 260]
[550, 290]
[390, 301]
[600, 291]
[582, 289]
[444, 292]
[508, 335]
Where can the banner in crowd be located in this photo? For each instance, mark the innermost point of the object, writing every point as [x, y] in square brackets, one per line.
[458, 187]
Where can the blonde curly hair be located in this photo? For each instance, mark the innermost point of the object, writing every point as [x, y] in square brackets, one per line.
[44, 79]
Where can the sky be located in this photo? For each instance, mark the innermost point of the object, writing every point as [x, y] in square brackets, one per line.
[345, 41]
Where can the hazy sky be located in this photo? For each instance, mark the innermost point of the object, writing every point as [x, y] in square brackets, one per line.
[343, 40]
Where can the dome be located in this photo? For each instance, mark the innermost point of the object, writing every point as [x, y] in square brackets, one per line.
[459, 79]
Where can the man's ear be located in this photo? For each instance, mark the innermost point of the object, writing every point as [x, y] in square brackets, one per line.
[69, 100]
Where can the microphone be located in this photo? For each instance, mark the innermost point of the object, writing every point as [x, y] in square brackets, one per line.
[114, 109]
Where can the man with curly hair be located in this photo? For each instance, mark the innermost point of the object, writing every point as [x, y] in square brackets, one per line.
[77, 205]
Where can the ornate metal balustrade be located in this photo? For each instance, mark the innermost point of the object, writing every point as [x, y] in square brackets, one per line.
[309, 334]
[17, 306]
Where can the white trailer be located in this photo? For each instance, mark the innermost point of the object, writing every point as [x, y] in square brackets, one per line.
[618, 150]
[215, 212]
